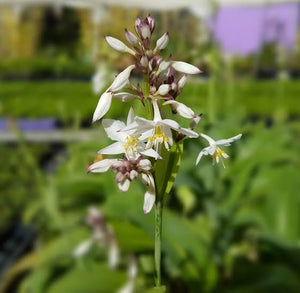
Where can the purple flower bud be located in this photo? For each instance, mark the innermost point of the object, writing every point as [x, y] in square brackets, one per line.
[144, 28]
[131, 38]
[151, 22]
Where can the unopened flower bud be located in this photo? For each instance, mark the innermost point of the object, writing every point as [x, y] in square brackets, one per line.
[145, 164]
[173, 86]
[151, 22]
[162, 66]
[131, 38]
[163, 89]
[145, 32]
[144, 61]
[121, 79]
[133, 174]
[162, 42]
[185, 67]
[118, 45]
[182, 81]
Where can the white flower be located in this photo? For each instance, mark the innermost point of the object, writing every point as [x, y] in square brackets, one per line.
[121, 80]
[158, 131]
[127, 143]
[118, 45]
[185, 67]
[214, 150]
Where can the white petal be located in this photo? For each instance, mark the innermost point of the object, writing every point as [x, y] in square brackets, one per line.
[199, 157]
[174, 125]
[162, 42]
[102, 106]
[118, 45]
[210, 149]
[82, 248]
[113, 149]
[124, 186]
[228, 141]
[168, 133]
[163, 89]
[113, 255]
[121, 79]
[113, 129]
[182, 109]
[185, 67]
[150, 153]
[224, 155]
[125, 97]
[130, 117]
[140, 125]
[149, 198]
[208, 138]
[101, 166]
[146, 134]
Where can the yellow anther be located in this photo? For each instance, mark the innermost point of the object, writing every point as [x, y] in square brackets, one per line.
[131, 143]
[218, 154]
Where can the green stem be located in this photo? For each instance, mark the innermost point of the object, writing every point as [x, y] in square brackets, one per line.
[158, 233]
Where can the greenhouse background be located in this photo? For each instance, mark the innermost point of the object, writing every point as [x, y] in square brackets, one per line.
[233, 229]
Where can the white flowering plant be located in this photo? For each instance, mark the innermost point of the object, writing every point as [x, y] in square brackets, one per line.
[150, 147]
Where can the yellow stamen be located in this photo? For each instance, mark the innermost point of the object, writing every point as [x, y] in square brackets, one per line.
[158, 134]
[218, 154]
[131, 143]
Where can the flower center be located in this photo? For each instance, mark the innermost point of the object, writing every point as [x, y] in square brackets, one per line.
[158, 136]
[218, 154]
[131, 143]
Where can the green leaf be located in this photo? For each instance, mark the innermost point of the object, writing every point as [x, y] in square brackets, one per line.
[97, 278]
[161, 289]
[167, 168]
[131, 238]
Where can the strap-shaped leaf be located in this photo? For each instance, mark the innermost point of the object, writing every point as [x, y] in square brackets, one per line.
[167, 168]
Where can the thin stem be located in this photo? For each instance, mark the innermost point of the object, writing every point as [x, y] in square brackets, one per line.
[158, 233]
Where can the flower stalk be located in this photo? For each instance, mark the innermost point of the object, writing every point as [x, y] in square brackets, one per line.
[158, 237]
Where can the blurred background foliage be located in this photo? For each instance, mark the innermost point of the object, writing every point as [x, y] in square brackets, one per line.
[225, 230]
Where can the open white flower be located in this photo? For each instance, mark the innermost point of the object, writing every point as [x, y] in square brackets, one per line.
[214, 150]
[126, 142]
[158, 131]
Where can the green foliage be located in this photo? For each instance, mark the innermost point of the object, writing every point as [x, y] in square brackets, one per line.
[63, 100]
[224, 230]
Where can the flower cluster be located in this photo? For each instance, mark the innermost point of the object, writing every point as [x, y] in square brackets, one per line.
[140, 137]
